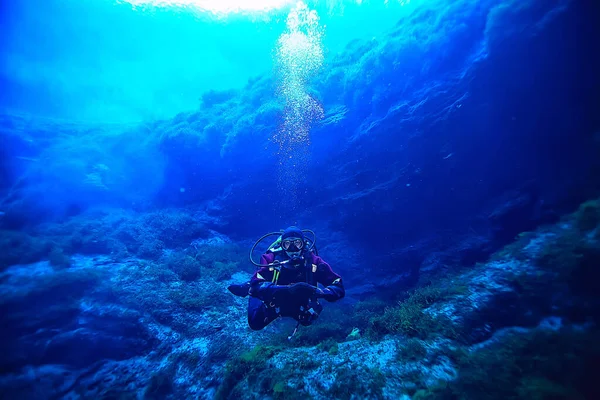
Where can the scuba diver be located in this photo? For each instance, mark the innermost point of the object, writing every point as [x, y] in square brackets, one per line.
[285, 285]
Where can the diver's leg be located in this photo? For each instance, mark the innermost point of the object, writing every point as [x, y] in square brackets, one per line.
[309, 316]
[259, 315]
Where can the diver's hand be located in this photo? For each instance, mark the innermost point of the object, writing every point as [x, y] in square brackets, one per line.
[302, 289]
[268, 291]
[327, 294]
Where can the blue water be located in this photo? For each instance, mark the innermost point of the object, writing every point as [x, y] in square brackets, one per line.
[445, 153]
[106, 61]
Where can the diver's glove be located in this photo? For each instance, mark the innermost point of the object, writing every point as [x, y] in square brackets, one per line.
[303, 290]
[332, 292]
[268, 291]
[240, 290]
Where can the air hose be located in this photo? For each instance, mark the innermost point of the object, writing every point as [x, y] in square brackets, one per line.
[311, 243]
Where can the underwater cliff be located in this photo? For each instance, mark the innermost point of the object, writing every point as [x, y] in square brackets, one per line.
[449, 164]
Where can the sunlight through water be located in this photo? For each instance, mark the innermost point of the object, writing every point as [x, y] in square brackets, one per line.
[299, 58]
[217, 6]
[226, 7]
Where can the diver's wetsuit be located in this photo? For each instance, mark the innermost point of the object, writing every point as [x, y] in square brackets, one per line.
[271, 296]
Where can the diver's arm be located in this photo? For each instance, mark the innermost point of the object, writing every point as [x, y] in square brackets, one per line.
[261, 284]
[265, 291]
[334, 292]
[270, 292]
[334, 288]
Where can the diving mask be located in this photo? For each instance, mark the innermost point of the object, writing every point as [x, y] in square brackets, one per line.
[293, 247]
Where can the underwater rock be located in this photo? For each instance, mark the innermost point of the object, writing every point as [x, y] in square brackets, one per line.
[132, 329]
[107, 328]
[215, 239]
[420, 112]
[518, 213]
[51, 318]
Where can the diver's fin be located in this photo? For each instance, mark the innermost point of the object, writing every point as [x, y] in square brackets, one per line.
[295, 330]
[240, 290]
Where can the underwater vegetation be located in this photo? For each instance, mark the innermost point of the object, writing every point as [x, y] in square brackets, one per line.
[522, 358]
[442, 339]
[449, 175]
[122, 234]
